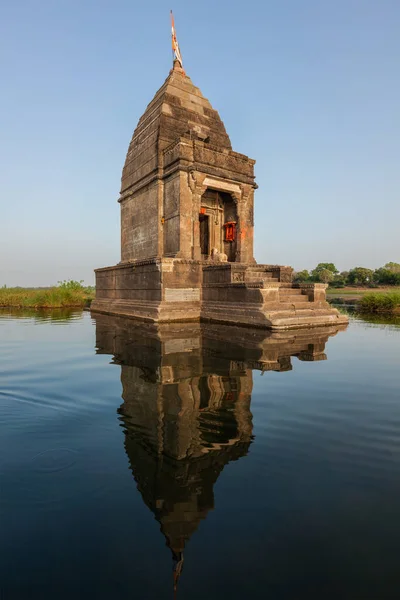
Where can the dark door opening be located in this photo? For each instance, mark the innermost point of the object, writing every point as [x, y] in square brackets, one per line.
[204, 234]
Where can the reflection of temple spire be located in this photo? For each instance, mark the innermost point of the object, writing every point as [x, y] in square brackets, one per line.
[178, 438]
[177, 569]
[180, 433]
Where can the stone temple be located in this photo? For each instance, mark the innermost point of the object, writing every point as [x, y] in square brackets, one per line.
[187, 223]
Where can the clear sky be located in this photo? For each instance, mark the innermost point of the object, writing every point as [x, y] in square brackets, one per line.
[309, 88]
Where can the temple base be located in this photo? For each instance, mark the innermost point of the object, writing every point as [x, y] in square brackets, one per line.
[174, 290]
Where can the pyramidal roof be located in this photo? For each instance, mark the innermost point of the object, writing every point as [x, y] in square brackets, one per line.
[178, 108]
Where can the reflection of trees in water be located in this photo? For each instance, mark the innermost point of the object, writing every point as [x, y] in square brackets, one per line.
[43, 314]
[376, 319]
[367, 317]
[186, 393]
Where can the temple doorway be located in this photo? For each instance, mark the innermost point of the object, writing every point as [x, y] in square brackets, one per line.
[218, 224]
[205, 234]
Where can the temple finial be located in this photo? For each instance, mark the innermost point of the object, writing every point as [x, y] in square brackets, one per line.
[177, 57]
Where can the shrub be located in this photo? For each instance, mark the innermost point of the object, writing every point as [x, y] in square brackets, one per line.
[379, 302]
[71, 284]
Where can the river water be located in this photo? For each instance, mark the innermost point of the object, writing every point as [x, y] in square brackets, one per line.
[222, 462]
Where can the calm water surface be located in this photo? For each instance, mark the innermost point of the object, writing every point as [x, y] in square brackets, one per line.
[223, 462]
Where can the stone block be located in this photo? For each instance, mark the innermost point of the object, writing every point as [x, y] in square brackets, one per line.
[182, 294]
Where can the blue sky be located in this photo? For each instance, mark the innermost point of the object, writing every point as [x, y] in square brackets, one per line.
[309, 88]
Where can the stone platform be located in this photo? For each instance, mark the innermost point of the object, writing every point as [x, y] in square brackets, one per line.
[175, 290]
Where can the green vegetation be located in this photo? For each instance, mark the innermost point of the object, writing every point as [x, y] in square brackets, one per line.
[358, 292]
[388, 275]
[376, 318]
[302, 276]
[360, 276]
[326, 276]
[322, 268]
[65, 294]
[323, 273]
[388, 302]
[357, 283]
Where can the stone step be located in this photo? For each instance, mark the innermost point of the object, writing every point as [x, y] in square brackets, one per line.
[304, 311]
[307, 318]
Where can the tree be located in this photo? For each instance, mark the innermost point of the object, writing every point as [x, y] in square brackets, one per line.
[360, 276]
[386, 276]
[326, 275]
[329, 266]
[393, 267]
[301, 276]
[339, 280]
[321, 267]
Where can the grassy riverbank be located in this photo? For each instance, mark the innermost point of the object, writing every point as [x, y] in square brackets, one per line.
[359, 292]
[65, 294]
[376, 302]
[387, 303]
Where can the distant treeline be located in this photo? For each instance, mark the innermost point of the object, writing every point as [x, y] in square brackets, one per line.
[389, 274]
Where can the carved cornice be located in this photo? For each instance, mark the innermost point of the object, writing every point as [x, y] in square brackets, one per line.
[157, 261]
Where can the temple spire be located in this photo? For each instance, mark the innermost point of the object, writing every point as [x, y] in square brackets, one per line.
[175, 46]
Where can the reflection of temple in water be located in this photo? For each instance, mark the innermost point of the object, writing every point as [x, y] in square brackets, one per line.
[186, 407]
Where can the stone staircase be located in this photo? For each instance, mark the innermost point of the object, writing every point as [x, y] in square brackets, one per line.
[258, 273]
[293, 296]
[263, 296]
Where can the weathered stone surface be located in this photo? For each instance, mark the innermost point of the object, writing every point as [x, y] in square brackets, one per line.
[182, 294]
[187, 223]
